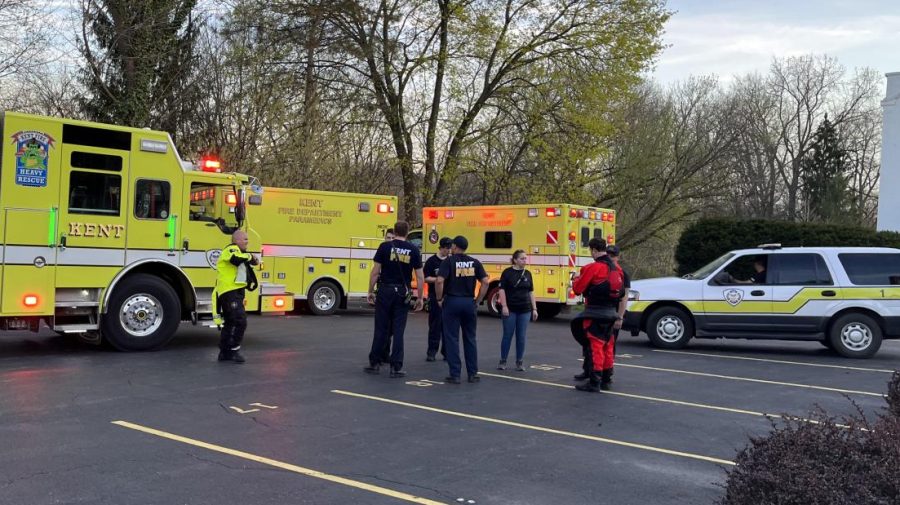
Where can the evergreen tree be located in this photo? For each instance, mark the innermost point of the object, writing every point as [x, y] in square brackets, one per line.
[139, 62]
[824, 175]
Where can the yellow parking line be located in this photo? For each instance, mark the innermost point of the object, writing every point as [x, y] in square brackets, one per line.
[540, 428]
[747, 379]
[690, 353]
[279, 464]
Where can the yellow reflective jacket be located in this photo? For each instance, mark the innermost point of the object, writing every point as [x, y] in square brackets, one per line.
[234, 272]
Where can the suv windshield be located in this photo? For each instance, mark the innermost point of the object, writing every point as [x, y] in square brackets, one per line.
[710, 268]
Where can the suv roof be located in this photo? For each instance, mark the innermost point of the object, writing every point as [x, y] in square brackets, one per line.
[782, 250]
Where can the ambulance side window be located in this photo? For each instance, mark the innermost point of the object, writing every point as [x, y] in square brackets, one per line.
[94, 193]
[151, 199]
[498, 240]
[598, 233]
[585, 236]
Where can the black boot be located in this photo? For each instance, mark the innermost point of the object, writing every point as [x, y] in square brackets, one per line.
[589, 386]
[372, 369]
[582, 376]
[224, 355]
[606, 379]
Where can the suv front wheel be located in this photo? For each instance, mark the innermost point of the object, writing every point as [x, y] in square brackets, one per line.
[855, 335]
[670, 327]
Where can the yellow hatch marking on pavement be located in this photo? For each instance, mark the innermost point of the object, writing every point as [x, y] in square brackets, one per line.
[663, 400]
[540, 428]
[747, 379]
[861, 369]
[240, 411]
[279, 464]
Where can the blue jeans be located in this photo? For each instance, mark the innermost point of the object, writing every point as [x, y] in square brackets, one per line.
[516, 322]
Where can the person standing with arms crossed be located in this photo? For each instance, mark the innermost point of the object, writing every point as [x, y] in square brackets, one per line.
[234, 274]
[455, 287]
[517, 308]
[395, 262]
[435, 322]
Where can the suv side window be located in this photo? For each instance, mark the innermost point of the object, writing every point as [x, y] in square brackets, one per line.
[872, 269]
[804, 269]
[746, 269]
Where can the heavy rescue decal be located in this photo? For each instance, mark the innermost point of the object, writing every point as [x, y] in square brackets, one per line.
[212, 257]
[96, 230]
[32, 152]
[310, 211]
[733, 296]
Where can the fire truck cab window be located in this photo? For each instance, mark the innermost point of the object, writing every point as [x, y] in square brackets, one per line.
[213, 204]
[151, 199]
[94, 193]
[498, 240]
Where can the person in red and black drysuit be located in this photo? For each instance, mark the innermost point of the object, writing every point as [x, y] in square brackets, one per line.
[602, 284]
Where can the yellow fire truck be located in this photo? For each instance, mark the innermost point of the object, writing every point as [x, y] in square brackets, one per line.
[555, 236]
[320, 244]
[109, 235]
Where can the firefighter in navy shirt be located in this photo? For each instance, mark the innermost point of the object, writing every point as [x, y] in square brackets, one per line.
[435, 322]
[455, 287]
[395, 262]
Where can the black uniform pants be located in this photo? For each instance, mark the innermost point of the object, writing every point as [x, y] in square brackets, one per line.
[391, 312]
[231, 304]
[435, 327]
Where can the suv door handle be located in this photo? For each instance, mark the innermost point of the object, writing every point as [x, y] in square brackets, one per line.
[758, 292]
[829, 293]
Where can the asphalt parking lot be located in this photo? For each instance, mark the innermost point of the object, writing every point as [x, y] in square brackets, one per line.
[301, 423]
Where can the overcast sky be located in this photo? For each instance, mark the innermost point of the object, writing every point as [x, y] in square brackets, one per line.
[728, 37]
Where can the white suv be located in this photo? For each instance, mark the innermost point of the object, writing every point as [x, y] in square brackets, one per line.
[847, 298]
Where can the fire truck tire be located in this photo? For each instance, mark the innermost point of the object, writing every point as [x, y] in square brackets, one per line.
[493, 301]
[143, 314]
[324, 298]
[548, 310]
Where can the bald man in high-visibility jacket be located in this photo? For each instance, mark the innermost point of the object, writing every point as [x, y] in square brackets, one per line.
[235, 275]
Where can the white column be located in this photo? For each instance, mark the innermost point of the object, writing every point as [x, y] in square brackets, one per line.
[889, 191]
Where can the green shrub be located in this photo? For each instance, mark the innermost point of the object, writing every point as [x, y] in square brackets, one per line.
[708, 239]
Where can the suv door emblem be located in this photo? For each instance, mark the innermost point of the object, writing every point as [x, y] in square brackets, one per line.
[734, 296]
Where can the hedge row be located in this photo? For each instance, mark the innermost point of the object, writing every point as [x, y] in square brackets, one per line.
[708, 239]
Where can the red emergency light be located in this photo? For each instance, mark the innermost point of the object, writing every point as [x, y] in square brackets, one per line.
[573, 213]
[31, 300]
[432, 214]
[210, 164]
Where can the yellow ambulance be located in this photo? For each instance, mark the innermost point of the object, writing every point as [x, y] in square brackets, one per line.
[320, 244]
[109, 235]
[555, 236]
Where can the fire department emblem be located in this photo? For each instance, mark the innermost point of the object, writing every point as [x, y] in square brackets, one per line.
[212, 257]
[32, 152]
[734, 296]
[433, 237]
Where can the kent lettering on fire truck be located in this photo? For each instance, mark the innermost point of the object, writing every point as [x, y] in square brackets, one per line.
[108, 234]
[555, 236]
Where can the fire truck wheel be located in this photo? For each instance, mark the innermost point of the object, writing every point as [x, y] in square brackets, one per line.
[493, 301]
[324, 298]
[143, 314]
[548, 310]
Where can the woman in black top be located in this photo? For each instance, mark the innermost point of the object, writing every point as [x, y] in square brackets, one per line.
[518, 307]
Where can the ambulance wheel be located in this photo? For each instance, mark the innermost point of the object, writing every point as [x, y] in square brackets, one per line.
[669, 328]
[324, 298]
[143, 314]
[493, 301]
[548, 310]
[855, 335]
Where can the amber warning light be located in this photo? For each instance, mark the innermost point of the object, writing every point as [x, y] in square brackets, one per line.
[279, 303]
[30, 300]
